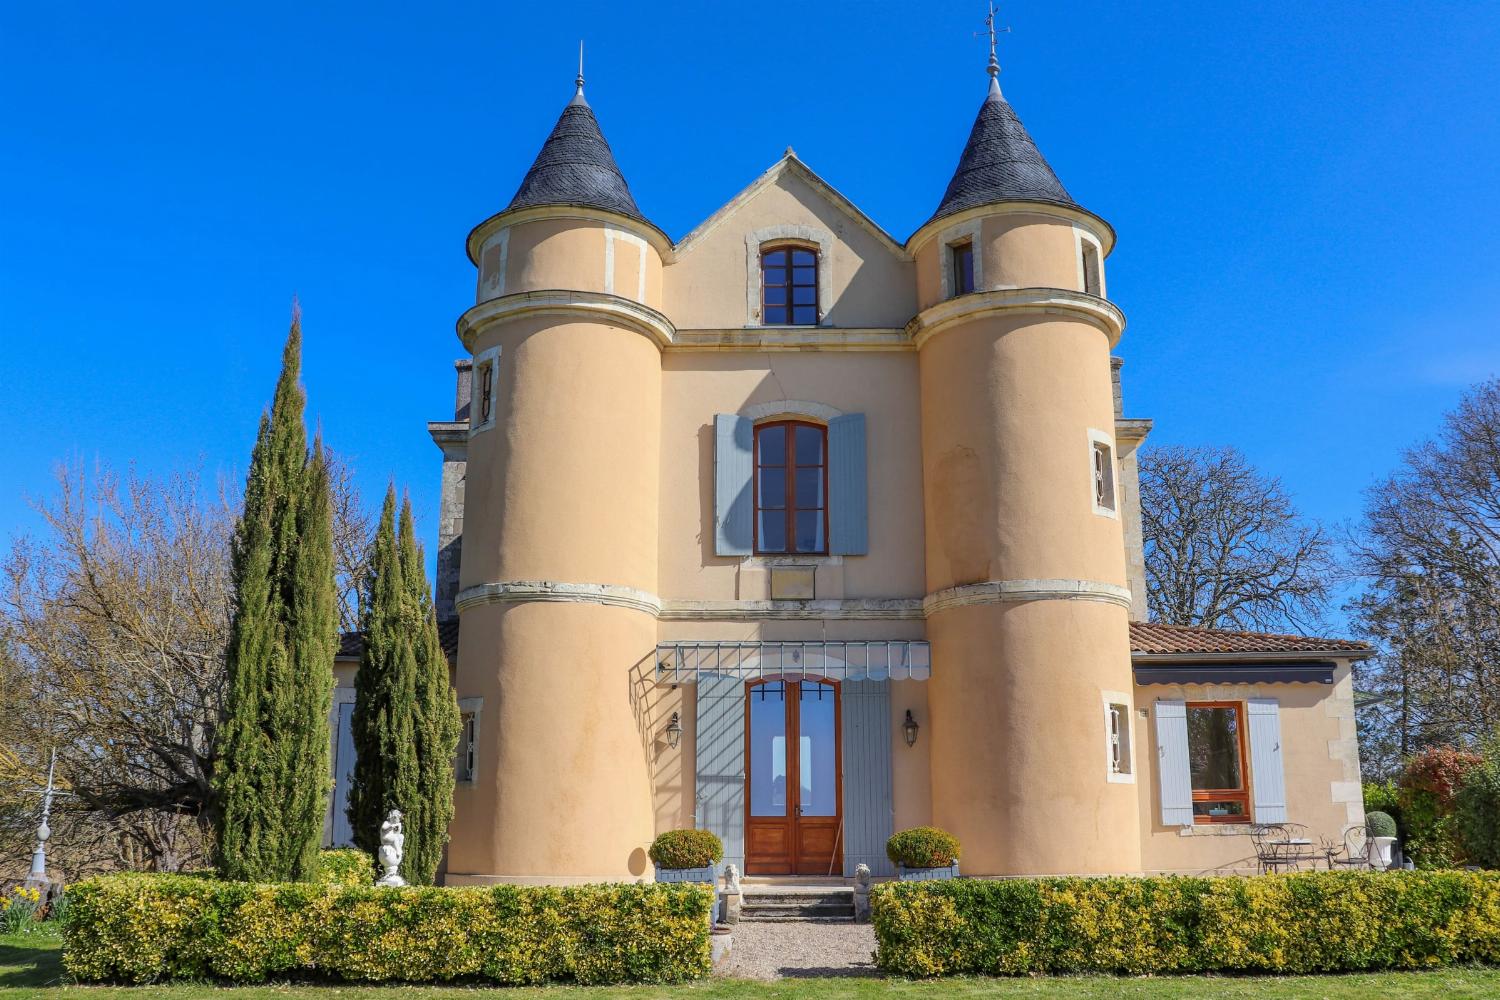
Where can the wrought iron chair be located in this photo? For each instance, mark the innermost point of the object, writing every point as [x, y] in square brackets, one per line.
[1282, 847]
[1350, 851]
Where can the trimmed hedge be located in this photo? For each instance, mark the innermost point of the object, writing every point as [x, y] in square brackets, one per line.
[345, 866]
[147, 928]
[1291, 924]
[686, 849]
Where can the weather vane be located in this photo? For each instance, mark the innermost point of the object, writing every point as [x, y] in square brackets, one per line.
[992, 31]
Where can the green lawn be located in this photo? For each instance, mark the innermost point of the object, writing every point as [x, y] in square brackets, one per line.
[31, 966]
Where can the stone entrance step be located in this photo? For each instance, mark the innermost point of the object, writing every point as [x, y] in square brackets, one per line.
[822, 903]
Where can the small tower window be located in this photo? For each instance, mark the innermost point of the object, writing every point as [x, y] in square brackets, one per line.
[486, 377]
[962, 262]
[789, 287]
[791, 487]
[1102, 455]
[1091, 282]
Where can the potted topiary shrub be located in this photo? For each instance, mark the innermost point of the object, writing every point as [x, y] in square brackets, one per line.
[687, 856]
[1380, 832]
[924, 852]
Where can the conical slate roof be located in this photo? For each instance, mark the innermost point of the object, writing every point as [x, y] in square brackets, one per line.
[1000, 163]
[575, 167]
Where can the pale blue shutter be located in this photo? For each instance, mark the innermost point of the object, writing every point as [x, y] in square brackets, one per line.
[869, 815]
[734, 455]
[343, 776]
[1267, 780]
[720, 765]
[848, 503]
[1172, 763]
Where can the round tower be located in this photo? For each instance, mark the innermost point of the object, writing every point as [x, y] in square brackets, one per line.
[1028, 606]
[560, 539]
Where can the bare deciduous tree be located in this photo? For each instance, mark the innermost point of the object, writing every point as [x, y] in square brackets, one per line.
[113, 626]
[1225, 547]
[1430, 549]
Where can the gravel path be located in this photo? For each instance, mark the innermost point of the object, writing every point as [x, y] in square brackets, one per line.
[765, 949]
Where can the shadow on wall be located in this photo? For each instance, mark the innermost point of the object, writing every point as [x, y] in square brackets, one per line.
[652, 705]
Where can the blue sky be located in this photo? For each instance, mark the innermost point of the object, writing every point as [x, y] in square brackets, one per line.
[1306, 198]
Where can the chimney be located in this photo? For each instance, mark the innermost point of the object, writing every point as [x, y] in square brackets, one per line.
[465, 390]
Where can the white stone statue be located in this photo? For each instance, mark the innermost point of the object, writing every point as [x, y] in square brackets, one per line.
[862, 877]
[392, 846]
[731, 879]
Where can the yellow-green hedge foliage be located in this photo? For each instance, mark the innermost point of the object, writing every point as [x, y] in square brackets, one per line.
[1295, 923]
[148, 928]
[346, 866]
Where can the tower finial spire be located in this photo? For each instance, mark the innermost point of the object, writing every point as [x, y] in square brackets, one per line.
[579, 81]
[993, 69]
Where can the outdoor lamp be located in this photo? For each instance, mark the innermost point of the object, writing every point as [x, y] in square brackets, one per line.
[674, 730]
[909, 729]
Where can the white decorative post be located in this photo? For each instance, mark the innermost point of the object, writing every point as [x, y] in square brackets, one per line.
[392, 846]
[38, 875]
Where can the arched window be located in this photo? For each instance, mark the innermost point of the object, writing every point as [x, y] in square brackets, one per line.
[789, 287]
[791, 487]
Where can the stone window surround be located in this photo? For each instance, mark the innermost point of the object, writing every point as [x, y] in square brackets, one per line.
[790, 409]
[474, 707]
[951, 237]
[755, 242]
[490, 358]
[494, 287]
[1098, 437]
[1127, 735]
[1080, 237]
[612, 235]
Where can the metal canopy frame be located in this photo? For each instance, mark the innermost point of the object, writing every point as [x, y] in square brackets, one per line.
[837, 659]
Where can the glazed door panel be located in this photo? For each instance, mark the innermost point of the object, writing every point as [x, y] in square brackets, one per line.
[793, 776]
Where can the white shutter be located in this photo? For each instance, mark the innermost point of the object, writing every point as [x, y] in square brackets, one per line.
[1172, 763]
[1267, 779]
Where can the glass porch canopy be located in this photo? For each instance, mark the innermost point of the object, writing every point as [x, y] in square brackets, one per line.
[838, 660]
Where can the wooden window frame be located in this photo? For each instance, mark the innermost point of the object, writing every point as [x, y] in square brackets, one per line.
[1240, 795]
[956, 254]
[791, 284]
[789, 468]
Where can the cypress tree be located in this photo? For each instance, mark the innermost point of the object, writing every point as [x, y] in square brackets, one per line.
[385, 760]
[436, 722]
[271, 774]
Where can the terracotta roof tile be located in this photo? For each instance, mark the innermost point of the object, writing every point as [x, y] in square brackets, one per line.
[1155, 638]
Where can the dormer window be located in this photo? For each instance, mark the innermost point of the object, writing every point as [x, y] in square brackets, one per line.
[789, 287]
[961, 259]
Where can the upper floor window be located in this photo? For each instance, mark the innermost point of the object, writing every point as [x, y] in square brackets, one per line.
[1092, 283]
[791, 487]
[789, 287]
[962, 262]
[486, 375]
[1103, 458]
[1216, 762]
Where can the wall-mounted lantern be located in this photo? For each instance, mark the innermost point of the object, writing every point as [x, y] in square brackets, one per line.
[674, 730]
[909, 729]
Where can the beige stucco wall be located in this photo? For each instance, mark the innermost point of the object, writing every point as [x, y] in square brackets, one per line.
[707, 286]
[1007, 406]
[881, 385]
[575, 254]
[1320, 764]
[563, 792]
[1016, 249]
[1019, 766]
[569, 472]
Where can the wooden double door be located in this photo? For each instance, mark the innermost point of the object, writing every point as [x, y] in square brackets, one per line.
[794, 778]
